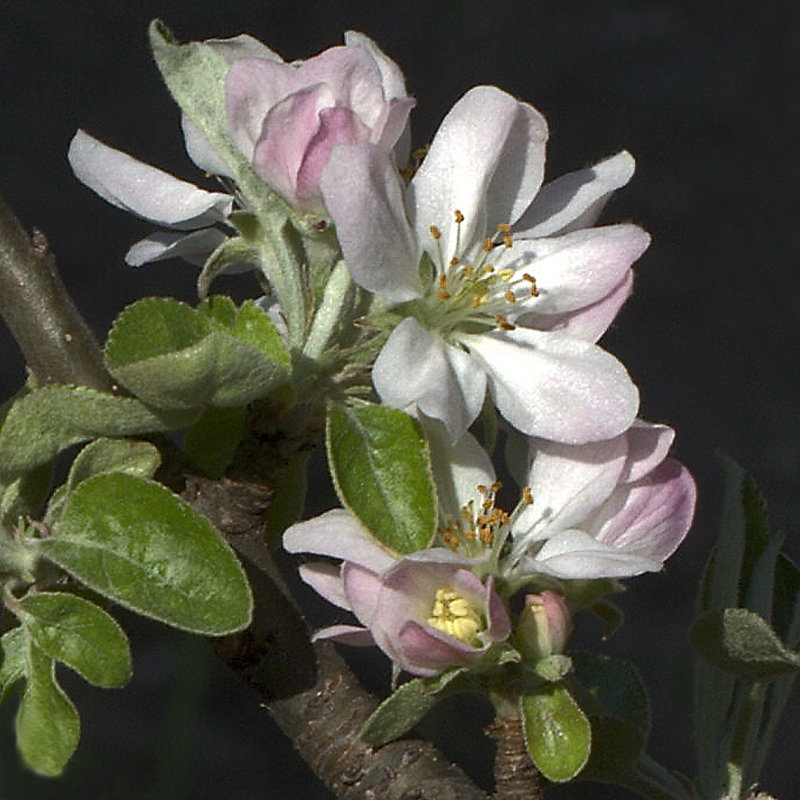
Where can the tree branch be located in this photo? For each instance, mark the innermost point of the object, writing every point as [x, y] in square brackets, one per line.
[58, 345]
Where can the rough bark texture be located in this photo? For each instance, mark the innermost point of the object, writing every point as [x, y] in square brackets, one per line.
[515, 776]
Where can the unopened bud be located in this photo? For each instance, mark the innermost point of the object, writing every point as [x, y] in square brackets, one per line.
[544, 626]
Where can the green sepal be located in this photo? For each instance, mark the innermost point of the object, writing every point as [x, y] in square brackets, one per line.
[743, 643]
[235, 250]
[212, 441]
[78, 633]
[134, 542]
[408, 704]
[379, 460]
[611, 615]
[45, 422]
[171, 356]
[12, 666]
[288, 500]
[47, 724]
[558, 735]
[553, 668]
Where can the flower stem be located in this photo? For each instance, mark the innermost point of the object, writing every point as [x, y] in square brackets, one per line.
[515, 775]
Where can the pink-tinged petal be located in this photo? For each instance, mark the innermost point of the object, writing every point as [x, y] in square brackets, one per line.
[351, 76]
[575, 200]
[287, 131]
[575, 555]
[362, 587]
[338, 534]
[336, 126]
[345, 634]
[588, 323]
[651, 517]
[391, 125]
[142, 189]
[392, 80]
[648, 445]
[575, 270]
[498, 623]
[200, 151]
[426, 651]
[416, 369]
[252, 87]
[193, 247]
[363, 194]
[555, 386]
[567, 484]
[326, 580]
[242, 46]
[486, 161]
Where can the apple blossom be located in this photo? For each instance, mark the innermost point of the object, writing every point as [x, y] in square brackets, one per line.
[495, 283]
[427, 611]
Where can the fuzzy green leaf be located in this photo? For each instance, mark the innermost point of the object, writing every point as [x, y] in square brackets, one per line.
[212, 441]
[12, 666]
[406, 706]
[114, 455]
[381, 468]
[24, 495]
[743, 643]
[171, 356]
[48, 420]
[557, 733]
[136, 543]
[47, 723]
[76, 632]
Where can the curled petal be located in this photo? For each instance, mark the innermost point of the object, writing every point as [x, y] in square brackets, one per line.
[417, 369]
[142, 189]
[194, 247]
[648, 445]
[575, 200]
[345, 634]
[555, 386]
[426, 651]
[326, 580]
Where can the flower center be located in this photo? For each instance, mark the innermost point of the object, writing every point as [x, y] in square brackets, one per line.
[472, 293]
[454, 615]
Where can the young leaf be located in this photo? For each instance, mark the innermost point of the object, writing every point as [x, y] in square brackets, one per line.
[743, 643]
[381, 469]
[557, 733]
[47, 724]
[76, 632]
[212, 441]
[42, 423]
[406, 706]
[24, 495]
[12, 666]
[136, 543]
[114, 455]
[171, 356]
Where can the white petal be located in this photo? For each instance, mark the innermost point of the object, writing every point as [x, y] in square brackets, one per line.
[567, 484]
[417, 369]
[142, 189]
[200, 151]
[346, 634]
[326, 580]
[338, 534]
[555, 386]
[485, 161]
[363, 194]
[193, 247]
[394, 84]
[648, 445]
[242, 46]
[574, 555]
[576, 270]
[576, 199]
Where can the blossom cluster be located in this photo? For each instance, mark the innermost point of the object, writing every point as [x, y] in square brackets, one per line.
[483, 289]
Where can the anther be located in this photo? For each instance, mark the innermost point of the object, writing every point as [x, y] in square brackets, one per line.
[459, 216]
[509, 295]
[435, 232]
[488, 245]
[532, 281]
[505, 274]
[504, 324]
[527, 495]
[504, 227]
[507, 240]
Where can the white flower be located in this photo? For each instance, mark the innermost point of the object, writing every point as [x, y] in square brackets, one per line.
[518, 312]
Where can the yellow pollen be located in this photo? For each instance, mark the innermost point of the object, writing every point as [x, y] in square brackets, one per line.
[459, 216]
[488, 245]
[454, 615]
[435, 232]
[496, 486]
[480, 299]
[453, 261]
[527, 495]
[504, 324]
[507, 241]
[509, 295]
[443, 294]
[532, 281]
[504, 227]
[505, 274]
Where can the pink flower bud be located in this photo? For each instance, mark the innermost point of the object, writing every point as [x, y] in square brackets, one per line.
[544, 626]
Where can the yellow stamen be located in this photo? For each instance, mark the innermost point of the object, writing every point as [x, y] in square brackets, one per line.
[455, 616]
[435, 232]
[459, 216]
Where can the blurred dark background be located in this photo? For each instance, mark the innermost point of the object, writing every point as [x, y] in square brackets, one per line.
[705, 96]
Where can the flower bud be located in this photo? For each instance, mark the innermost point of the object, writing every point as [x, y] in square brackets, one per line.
[544, 626]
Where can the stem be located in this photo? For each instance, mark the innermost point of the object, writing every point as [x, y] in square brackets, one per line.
[58, 345]
[515, 775]
[744, 741]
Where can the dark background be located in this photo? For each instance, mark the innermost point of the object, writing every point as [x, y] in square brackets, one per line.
[705, 96]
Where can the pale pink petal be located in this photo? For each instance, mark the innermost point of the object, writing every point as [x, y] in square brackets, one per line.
[193, 247]
[555, 386]
[338, 534]
[200, 150]
[345, 634]
[392, 79]
[576, 199]
[648, 445]
[363, 194]
[242, 46]
[416, 369]
[142, 189]
[326, 580]
[426, 651]
[361, 587]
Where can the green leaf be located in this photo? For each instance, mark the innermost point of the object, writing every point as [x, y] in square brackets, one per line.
[47, 724]
[614, 689]
[288, 501]
[381, 469]
[557, 733]
[114, 455]
[218, 307]
[76, 632]
[42, 423]
[232, 251]
[406, 706]
[171, 356]
[554, 667]
[24, 495]
[12, 667]
[212, 441]
[743, 643]
[133, 541]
